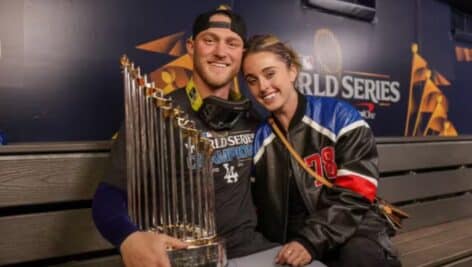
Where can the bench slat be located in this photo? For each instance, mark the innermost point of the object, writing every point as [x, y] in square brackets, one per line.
[440, 254]
[465, 262]
[422, 185]
[45, 235]
[452, 234]
[414, 156]
[426, 245]
[46, 178]
[111, 261]
[426, 232]
[437, 212]
[55, 147]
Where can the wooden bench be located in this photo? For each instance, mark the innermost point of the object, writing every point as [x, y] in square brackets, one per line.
[431, 179]
[46, 191]
[45, 199]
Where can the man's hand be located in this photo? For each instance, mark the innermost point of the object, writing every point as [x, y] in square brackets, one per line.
[294, 254]
[143, 249]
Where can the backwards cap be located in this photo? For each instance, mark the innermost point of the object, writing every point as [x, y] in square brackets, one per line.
[237, 25]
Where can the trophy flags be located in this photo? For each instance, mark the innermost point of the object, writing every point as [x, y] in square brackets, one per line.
[438, 117]
[420, 75]
[418, 63]
[448, 129]
[170, 44]
[428, 89]
[432, 99]
[439, 79]
[174, 74]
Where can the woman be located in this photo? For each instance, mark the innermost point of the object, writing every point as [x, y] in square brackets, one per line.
[340, 226]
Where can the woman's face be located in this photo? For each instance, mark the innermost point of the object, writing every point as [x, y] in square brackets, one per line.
[270, 80]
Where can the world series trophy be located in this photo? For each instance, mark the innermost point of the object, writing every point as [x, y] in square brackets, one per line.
[170, 184]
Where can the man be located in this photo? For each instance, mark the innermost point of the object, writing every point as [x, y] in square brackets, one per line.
[216, 49]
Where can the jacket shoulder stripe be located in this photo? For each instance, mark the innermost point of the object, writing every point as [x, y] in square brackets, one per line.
[261, 150]
[324, 131]
[352, 126]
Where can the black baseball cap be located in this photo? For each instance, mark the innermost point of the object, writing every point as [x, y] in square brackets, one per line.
[237, 25]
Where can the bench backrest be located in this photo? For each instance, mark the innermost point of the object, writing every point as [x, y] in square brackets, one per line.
[45, 199]
[46, 191]
[431, 178]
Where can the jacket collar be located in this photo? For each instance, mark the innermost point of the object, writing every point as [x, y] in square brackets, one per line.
[299, 112]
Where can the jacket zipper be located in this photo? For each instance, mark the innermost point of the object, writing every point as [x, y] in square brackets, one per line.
[287, 194]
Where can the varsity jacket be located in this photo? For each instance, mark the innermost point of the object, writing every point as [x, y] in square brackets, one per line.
[334, 140]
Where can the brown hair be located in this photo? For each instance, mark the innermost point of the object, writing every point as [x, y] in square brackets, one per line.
[270, 43]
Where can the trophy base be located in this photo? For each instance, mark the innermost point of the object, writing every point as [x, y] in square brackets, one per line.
[208, 255]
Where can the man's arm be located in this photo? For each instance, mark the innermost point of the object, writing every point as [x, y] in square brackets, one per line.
[137, 248]
[110, 214]
[109, 211]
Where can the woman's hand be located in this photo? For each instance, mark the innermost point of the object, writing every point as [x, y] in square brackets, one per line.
[294, 254]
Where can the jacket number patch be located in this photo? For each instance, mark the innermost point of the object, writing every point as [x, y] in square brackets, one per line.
[323, 163]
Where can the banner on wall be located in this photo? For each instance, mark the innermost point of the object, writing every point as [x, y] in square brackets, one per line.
[323, 74]
[54, 63]
[393, 87]
[378, 67]
[427, 106]
[383, 86]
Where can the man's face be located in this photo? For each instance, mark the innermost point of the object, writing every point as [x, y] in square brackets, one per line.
[217, 54]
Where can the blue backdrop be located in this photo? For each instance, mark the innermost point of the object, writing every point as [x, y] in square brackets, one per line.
[60, 76]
